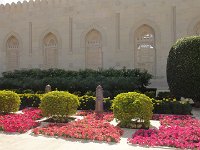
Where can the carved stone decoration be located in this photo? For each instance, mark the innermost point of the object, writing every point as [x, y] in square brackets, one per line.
[12, 53]
[145, 53]
[47, 88]
[99, 99]
[94, 58]
[50, 45]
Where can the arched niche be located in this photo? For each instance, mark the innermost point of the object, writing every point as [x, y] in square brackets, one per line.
[144, 49]
[12, 53]
[50, 51]
[93, 46]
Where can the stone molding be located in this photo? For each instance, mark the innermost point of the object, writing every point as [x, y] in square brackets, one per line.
[17, 37]
[87, 30]
[53, 31]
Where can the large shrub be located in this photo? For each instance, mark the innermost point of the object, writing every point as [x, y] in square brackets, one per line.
[9, 102]
[183, 68]
[133, 105]
[59, 104]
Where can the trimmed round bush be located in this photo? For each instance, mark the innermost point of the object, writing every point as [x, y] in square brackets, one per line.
[133, 105]
[183, 68]
[59, 104]
[9, 102]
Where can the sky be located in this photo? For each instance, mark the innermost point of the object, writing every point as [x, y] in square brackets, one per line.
[10, 1]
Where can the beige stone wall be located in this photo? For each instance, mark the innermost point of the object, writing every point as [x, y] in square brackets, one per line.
[116, 21]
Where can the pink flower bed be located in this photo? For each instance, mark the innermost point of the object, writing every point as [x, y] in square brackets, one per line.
[175, 131]
[84, 113]
[90, 128]
[20, 122]
[106, 116]
[161, 116]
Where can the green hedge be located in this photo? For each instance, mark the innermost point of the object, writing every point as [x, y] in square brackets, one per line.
[112, 81]
[183, 68]
[165, 106]
[30, 100]
[88, 103]
[164, 95]
[171, 106]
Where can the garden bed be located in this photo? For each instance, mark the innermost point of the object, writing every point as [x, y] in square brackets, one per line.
[175, 131]
[180, 131]
[92, 127]
[21, 122]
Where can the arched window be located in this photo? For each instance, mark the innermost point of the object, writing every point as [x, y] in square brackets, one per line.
[12, 53]
[145, 51]
[50, 45]
[197, 29]
[94, 58]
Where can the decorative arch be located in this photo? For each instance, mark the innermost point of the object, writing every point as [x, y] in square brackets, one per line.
[54, 32]
[95, 27]
[93, 50]
[12, 53]
[194, 27]
[144, 50]
[50, 51]
[12, 47]
[15, 35]
[143, 29]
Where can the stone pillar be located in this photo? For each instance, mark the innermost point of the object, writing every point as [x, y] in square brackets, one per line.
[30, 38]
[117, 28]
[47, 89]
[99, 99]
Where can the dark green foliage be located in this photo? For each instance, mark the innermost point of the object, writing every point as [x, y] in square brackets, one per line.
[30, 100]
[151, 94]
[87, 102]
[107, 104]
[162, 95]
[171, 106]
[183, 68]
[112, 81]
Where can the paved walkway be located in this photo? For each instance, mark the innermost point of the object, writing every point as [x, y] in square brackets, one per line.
[28, 141]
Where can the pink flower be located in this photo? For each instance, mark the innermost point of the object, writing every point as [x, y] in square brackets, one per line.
[175, 131]
[20, 122]
[92, 127]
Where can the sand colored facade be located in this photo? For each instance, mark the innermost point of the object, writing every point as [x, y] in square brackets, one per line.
[79, 34]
